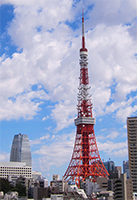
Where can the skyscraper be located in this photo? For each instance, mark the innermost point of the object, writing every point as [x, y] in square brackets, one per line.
[20, 151]
[109, 165]
[126, 167]
[132, 149]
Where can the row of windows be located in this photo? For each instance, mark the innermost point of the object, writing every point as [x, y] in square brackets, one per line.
[5, 168]
[28, 171]
[15, 168]
[132, 136]
[11, 173]
[14, 171]
[5, 176]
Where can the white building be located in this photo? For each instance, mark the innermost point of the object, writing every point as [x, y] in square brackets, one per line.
[55, 177]
[8, 169]
[11, 195]
[59, 185]
[36, 175]
[91, 187]
[73, 188]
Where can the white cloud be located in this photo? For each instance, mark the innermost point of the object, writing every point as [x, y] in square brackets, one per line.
[113, 135]
[4, 156]
[112, 12]
[46, 137]
[44, 118]
[57, 153]
[61, 149]
[50, 62]
[123, 112]
[120, 153]
[64, 114]
[24, 105]
[112, 148]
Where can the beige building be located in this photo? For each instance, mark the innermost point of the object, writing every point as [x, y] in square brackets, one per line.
[132, 149]
[102, 182]
[120, 188]
[129, 189]
[8, 169]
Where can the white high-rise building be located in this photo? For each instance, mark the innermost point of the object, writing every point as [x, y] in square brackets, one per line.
[20, 151]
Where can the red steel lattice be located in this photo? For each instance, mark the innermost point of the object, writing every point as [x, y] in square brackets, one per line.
[85, 161]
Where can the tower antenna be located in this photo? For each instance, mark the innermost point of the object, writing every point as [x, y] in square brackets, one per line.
[83, 33]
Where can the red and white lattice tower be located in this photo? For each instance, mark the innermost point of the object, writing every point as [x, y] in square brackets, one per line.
[85, 161]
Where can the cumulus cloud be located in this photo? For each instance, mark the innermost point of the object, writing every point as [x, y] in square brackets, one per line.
[44, 118]
[57, 153]
[49, 59]
[112, 148]
[113, 135]
[4, 156]
[61, 149]
[45, 68]
[46, 137]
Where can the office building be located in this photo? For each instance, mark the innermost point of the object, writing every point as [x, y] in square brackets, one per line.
[58, 186]
[109, 165]
[36, 175]
[126, 168]
[41, 193]
[132, 149]
[20, 151]
[129, 185]
[120, 188]
[9, 169]
[55, 177]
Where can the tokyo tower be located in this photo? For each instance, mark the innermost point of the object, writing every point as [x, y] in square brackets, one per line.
[85, 161]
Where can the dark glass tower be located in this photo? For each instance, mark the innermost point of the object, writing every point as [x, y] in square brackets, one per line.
[20, 151]
[110, 166]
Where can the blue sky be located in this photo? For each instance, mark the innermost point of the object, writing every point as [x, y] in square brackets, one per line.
[40, 42]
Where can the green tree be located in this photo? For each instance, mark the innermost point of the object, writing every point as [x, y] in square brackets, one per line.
[5, 185]
[21, 189]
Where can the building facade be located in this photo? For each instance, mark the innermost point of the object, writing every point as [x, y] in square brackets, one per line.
[109, 165]
[20, 151]
[132, 149]
[17, 169]
[120, 188]
[129, 189]
[126, 168]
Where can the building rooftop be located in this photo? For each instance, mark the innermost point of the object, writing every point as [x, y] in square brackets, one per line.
[13, 164]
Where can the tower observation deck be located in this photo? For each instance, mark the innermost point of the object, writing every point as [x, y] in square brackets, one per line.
[85, 161]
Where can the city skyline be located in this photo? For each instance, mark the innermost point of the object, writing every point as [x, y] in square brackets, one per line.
[40, 70]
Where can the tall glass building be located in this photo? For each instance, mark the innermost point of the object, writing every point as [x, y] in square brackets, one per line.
[126, 168]
[20, 151]
[110, 166]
